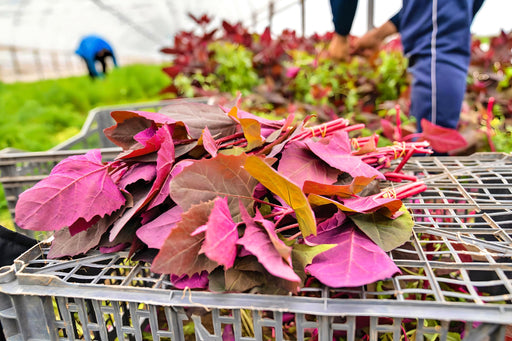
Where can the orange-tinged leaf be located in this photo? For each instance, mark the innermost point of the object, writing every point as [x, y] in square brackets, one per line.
[388, 206]
[344, 191]
[286, 190]
[251, 129]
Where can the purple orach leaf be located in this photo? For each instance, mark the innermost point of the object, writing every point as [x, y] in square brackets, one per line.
[78, 187]
[64, 244]
[144, 137]
[335, 150]
[267, 126]
[197, 116]
[292, 71]
[196, 281]
[298, 164]
[355, 261]
[164, 163]
[442, 139]
[166, 186]
[257, 241]
[82, 225]
[329, 231]
[140, 171]
[387, 206]
[112, 249]
[209, 143]
[221, 235]
[206, 179]
[227, 333]
[284, 250]
[130, 123]
[154, 233]
[180, 253]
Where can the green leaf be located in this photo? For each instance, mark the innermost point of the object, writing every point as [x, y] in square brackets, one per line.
[286, 190]
[302, 255]
[383, 231]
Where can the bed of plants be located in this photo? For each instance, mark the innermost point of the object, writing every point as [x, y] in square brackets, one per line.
[282, 74]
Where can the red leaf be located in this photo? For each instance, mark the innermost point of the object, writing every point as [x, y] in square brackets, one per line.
[179, 254]
[442, 139]
[78, 187]
[388, 130]
[355, 261]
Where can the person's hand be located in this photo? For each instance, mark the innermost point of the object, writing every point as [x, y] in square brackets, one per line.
[370, 43]
[338, 48]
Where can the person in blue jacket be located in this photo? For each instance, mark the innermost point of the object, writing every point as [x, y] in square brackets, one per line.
[436, 39]
[94, 49]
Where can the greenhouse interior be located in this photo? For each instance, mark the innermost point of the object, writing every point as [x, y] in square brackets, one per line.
[256, 170]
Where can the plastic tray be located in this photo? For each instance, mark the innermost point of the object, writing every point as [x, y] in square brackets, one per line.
[456, 274]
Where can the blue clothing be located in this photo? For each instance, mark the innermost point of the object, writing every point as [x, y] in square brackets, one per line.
[436, 38]
[89, 48]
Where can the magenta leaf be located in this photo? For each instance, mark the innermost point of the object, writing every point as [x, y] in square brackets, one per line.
[298, 164]
[145, 171]
[115, 248]
[154, 233]
[335, 150]
[257, 241]
[78, 187]
[196, 281]
[209, 143]
[164, 163]
[221, 235]
[387, 206]
[442, 139]
[355, 261]
[292, 71]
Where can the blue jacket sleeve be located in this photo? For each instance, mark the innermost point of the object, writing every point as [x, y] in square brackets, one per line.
[395, 19]
[343, 12]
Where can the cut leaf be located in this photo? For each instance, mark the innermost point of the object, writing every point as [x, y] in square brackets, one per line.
[335, 151]
[207, 179]
[385, 232]
[286, 190]
[179, 254]
[197, 116]
[257, 241]
[155, 232]
[343, 191]
[221, 235]
[299, 165]
[355, 261]
[442, 139]
[78, 187]
[360, 204]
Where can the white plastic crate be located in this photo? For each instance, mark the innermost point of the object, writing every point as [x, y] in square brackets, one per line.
[456, 274]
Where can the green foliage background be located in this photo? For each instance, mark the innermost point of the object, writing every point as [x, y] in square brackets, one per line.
[39, 115]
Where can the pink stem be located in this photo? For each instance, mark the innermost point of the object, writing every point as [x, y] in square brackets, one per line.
[287, 227]
[398, 122]
[490, 106]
